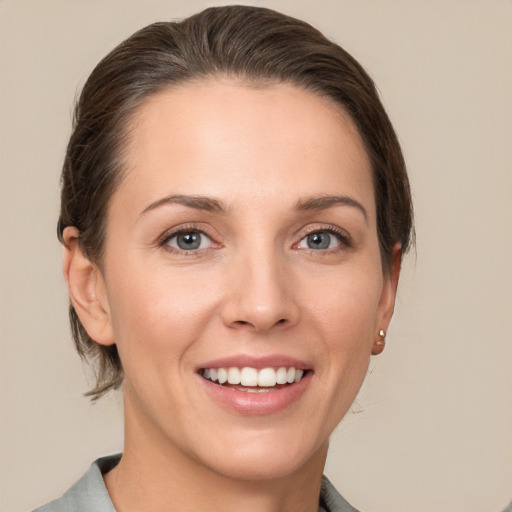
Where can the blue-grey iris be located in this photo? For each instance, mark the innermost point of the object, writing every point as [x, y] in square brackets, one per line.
[188, 241]
[319, 240]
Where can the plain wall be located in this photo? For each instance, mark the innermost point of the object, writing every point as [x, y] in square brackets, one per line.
[431, 429]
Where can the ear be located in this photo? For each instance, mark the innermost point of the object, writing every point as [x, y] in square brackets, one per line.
[387, 300]
[86, 289]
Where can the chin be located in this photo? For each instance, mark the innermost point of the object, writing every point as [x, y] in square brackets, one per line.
[267, 460]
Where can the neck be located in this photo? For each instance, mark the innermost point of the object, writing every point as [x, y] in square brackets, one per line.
[155, 475]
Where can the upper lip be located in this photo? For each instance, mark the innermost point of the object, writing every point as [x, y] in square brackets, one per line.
[270, 361]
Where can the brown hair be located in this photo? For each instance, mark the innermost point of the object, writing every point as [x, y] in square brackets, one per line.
[252, 44]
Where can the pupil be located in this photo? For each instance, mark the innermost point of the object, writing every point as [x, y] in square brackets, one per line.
[188, 241]
[319, 241]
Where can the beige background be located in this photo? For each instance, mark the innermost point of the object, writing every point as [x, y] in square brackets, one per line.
[432, 429]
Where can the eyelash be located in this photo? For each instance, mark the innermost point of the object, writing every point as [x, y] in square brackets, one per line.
[343, 238]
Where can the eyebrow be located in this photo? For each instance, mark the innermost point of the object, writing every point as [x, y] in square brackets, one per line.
[198, 202]
[214, 205]
[325, 202]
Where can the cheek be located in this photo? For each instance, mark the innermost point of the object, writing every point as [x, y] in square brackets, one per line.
[346, 317]
[158, 313]
[347, 308]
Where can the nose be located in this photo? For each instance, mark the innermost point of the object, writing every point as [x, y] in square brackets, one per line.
[261, 294]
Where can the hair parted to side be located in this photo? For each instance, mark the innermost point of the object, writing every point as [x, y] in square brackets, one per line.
[255, 45]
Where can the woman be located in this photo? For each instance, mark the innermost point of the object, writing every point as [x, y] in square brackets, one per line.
[235, 207]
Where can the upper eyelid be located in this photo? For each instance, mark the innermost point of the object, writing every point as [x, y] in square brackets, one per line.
[174, 234]
[328, 228]
[176, 230]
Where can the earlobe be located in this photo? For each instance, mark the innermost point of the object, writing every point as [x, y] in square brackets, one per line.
[380, 343]
[387, 300]
[86, 289]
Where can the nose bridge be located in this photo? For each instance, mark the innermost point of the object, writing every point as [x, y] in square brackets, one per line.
[261, 287]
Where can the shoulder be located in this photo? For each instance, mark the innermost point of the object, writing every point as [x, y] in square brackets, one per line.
[331, 500]
[89, 493]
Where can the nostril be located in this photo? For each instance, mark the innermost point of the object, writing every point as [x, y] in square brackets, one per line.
[244, 323]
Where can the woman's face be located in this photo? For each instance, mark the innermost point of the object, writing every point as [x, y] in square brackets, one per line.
[242, 239]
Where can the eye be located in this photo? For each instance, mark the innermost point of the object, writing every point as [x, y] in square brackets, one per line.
[321, 240]
[189, 240]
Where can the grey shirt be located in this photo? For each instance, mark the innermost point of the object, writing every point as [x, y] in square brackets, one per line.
[89, 494]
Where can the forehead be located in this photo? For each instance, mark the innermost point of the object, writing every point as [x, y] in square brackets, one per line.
[221, 137]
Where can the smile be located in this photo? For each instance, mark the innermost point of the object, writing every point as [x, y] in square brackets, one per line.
[256, 385]
[252, 379]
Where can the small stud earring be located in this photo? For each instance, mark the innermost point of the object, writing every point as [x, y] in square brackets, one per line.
[382, 341]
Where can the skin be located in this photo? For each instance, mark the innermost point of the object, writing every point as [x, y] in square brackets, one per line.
[255, 287]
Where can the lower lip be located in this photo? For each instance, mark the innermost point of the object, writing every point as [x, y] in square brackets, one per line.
[244, 402]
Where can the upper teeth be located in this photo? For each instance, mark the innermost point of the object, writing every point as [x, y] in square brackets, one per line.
[266, 377]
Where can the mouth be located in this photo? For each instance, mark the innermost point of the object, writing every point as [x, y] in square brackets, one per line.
[254, 380]
[256, 386]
